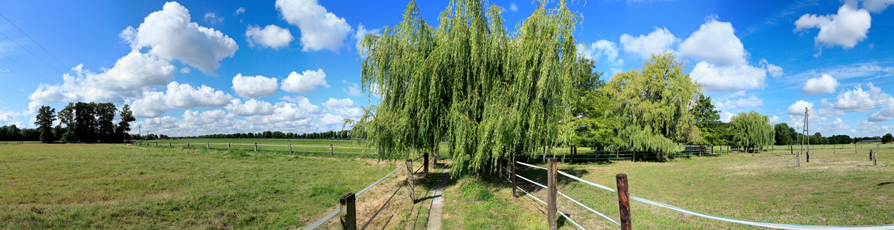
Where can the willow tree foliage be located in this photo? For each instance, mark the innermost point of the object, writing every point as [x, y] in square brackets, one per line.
[654, 105]
[751, 130]
[589, 124]
[469, 81]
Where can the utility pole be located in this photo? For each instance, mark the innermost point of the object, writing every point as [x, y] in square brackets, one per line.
[807, 132]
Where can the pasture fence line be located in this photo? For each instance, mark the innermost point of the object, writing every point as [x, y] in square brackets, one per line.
[624, 207]
[346, 209]
[286, 148]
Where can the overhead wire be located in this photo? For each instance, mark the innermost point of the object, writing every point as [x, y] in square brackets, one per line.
[32, 54]
[1, 54]
[35, 42]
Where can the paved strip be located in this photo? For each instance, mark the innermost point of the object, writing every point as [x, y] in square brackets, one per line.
[434, 214]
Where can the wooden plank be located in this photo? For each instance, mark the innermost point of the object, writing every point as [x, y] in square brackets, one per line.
[624, 201]
[552, 189]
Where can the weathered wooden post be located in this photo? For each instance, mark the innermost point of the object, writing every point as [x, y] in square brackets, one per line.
[425, 164]
[409, 165]
[624, 201]
[552, 188]
[208, 145]
[290, 148]
[330, 150]
[799, 158]
[875, 158]
[156, 144]
[791, 150]
[256, 146]
[228, 146]
[514, 185]
[348, 212]
[170, 145]
[187, 144]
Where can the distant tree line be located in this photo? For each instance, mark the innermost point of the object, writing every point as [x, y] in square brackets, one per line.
[79, 122]
[344, 134]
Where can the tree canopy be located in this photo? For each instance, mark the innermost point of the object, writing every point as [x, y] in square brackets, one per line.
[654, 105]
[44, 122]
[751, 130]
[469, 81]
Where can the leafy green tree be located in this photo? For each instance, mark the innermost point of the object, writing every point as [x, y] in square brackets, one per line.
[708, 121]
[783, 135]
[124, 124]
[85, 121]
[654, 105]
[105, 115]
[12, 133]
[751, 130]
[44, 122]
[487, 91]
[589, 124]
[888, 138]
[67, 117]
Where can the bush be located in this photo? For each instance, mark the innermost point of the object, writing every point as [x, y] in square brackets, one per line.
[888, 138]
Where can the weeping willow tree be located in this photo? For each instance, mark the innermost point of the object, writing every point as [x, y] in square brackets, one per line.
[484, 90]
[751, 130]
[654, 105]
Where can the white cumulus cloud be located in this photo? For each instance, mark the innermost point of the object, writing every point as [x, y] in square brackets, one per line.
[319, 28]
[513, 7]
[857, 100]
[271, 36]
[845, 29]
[179, 96]
[656, 42]
[824, 84]
[251, 107]
[884, 114]
[773, 70]
[728, 78]
[354, 90]
[797, 109]
[345, 107]
[131, 73]
[715, 42]
[306, 82]
[253, 87]
[170, 34]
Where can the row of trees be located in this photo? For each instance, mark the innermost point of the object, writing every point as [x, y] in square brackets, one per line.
[84, 122]
[343, 134]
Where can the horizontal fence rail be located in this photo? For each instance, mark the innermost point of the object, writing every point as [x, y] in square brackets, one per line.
[703, 215]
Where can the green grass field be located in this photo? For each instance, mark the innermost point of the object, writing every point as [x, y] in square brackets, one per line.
[126, 187]
[841, 188]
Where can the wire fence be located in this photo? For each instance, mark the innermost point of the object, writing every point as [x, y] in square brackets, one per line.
[327, 217]
[290, 148]
[675, 208]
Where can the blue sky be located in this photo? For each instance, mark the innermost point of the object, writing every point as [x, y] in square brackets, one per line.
[201, 67]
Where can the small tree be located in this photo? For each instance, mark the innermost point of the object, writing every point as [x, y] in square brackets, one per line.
[126, 118]
[751, 130]
[44, 122]
[888, 138]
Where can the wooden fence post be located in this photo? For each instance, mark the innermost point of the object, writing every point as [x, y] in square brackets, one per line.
[551, 194]
[256, 146]
[624, 201]
[514, 184]
[290, 148]
[170, 145]
[791, 151]
[799, 158]
[875, 157]
[187, 144]
[410, 180]
[208, 145]
[330, 150]
[156, 144]
[425, 164]
[348, 212]
[228, 146]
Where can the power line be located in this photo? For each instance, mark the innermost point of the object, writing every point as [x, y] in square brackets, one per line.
[35, 42]
[38, 58]
[27, 68]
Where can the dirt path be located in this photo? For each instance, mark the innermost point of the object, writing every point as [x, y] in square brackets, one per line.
[434, 214]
